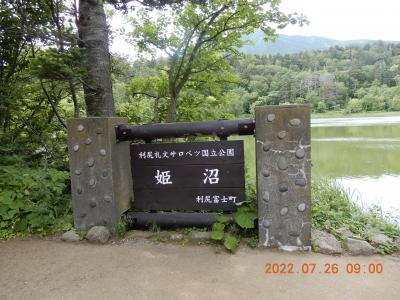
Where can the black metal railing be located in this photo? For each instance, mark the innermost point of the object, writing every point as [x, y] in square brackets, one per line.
[222, 129]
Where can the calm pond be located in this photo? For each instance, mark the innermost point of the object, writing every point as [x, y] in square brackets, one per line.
[362, 154]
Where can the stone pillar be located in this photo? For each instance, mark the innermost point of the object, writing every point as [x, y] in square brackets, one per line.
[283, 154]
[100, 168]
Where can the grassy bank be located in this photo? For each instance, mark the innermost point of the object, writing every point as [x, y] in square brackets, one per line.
[333, 209]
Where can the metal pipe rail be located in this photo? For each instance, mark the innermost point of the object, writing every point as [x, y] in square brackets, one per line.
[222, 129]
[173, 219]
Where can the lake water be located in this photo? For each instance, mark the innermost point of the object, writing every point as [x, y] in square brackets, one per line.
[362, 154]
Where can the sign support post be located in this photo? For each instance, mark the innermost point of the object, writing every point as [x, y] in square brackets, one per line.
[101, 180]
[283, 152]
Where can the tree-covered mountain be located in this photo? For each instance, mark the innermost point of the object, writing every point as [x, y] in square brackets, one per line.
[288, 44]
[351, 78]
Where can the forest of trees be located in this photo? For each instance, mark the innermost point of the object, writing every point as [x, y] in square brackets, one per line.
[353, 79]
[350, 79]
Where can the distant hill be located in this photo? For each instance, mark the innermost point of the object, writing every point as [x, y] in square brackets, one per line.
[287, 44]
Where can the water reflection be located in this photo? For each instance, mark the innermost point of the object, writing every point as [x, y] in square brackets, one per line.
[356, 151]
[364, 159]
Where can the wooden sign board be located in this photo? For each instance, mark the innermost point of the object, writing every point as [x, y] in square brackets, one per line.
[195, 176]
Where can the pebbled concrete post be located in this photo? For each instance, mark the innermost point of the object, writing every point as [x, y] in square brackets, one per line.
[100, 168]
[283, 154]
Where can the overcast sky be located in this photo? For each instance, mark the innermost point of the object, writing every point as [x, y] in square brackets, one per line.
[347, 19]
[338, 19]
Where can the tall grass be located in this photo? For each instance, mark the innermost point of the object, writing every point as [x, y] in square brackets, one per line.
[333, 208]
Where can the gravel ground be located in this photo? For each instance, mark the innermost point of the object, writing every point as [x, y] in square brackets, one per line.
[140, 269]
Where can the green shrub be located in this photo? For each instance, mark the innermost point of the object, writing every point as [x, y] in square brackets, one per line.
[321, 107]
[374, 102]
[394, 103]
[354, 106]
[33, 200]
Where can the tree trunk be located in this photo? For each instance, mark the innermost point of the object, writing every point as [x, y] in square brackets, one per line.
[93, 36]
[174, 94]
[156, 118]
[172, 110]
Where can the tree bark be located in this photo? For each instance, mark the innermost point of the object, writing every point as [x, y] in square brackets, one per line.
[74, 99]
[156, 118]
[174, 94]
[93, 36]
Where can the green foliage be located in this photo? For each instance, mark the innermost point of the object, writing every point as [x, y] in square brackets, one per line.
[394, 103]
[354, 106]
[220, 218]
[201, 45]
[154, 227]
[138, 111]
[217, 232]
[231, 242]
[56, 64]
[39, 72]
[332, 209]
[245, 216]
[198, 38]
[387, 248]
[375, 98]
[321, 107]
[158, 238]
[253, 241]
[32, 200]
[325, 79]
[230, 232]
[122, 226]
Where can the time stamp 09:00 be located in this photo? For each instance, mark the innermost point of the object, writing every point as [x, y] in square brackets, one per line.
[271, 268]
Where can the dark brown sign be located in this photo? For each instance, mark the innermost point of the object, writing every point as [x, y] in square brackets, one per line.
[205, 176]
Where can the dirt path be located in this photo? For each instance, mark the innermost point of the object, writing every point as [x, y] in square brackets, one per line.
[38, 269]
